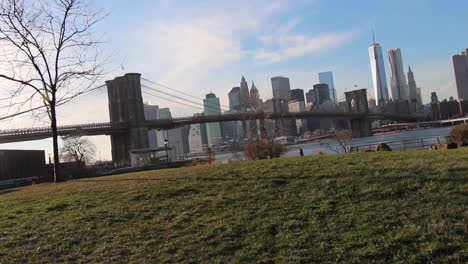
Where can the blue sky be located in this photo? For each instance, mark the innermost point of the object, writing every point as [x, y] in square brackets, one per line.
[199, 46]
[203, 46]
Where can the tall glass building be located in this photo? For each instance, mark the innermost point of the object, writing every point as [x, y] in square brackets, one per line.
[234, 98]
[379, 78]
[281, 88]
[212, 106]
[327, 77]
[397, 75]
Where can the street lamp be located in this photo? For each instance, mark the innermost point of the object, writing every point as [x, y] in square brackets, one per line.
[167, 159]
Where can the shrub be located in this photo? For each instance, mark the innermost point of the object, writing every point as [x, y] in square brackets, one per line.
[264, 149]
[460, 133]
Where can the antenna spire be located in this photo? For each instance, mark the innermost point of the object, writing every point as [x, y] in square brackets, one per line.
[373, 35]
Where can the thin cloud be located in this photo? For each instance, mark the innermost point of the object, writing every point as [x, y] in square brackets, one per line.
[283, 44]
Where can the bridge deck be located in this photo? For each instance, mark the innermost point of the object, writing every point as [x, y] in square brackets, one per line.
[27, 134]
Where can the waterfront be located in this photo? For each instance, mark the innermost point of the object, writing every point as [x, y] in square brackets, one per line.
[313, 148]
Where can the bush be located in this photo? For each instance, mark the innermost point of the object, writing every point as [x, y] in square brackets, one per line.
[460, 133]
[264, 149]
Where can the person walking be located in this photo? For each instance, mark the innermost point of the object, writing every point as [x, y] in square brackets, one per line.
[301, 152]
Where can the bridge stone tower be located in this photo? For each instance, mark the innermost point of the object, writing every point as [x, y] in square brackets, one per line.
[126, 107]
[356, 102]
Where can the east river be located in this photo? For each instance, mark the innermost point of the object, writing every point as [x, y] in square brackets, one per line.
[313, 148]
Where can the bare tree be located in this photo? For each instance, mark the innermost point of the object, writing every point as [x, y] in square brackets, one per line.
[49, 55]
[341, 142]
[78, 149]
[264, 145]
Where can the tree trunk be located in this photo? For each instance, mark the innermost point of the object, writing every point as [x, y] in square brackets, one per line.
[53, 119]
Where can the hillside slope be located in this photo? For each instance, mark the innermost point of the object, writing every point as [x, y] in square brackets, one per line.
[402, 207]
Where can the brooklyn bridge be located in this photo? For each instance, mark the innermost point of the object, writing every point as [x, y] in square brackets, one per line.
[128, 127]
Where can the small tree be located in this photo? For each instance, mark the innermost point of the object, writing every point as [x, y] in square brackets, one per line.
[48, 54]
[341, 142]
[459, 133]
[264, 149]
[210, 155]
[78, 149]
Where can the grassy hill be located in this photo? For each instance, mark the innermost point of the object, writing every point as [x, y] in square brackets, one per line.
[402, 207]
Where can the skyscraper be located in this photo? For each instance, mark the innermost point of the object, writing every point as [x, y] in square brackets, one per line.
[434, 98]
[281, 88]
[322, 92]
[234, 98]
[327, 77]
[298, 95]
[460, 67]
[212, 107]
[151, 113]
[412, 87]
[311, 97]
[254, 96]
[397, 76]
[244, 93]
[419, 93]
[379, 78]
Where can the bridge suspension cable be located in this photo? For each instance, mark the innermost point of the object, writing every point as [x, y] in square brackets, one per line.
[61, 102]
[173, 101]
[209, 104]
[177, 91]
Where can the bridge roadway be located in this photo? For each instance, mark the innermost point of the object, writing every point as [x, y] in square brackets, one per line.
[28, 134]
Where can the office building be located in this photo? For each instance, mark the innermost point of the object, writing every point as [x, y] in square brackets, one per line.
[460, 67]
[412, 87]
[311, 97]
[419, 96]
[322, 93]
[244, 93]
[434, 98]
[379, 78]
[281, 88]
[255, 99]
[151, 113]
[212, 107]
[234, 98]
[327, 77]
[297, 95]
[296, 106]
[280, 127]
[195, 139]
[397, 76]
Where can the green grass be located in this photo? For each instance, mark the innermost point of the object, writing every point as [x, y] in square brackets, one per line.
[399, 207]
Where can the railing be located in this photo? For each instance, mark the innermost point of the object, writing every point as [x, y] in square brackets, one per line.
[28, 131]
[420, 143]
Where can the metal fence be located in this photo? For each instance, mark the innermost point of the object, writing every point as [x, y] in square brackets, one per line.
[419, 143]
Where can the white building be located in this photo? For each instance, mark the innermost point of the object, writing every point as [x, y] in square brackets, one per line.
[195, 139]
[379, 78]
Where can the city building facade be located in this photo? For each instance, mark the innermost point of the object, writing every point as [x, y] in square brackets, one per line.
[212, 106]
[281, 88]
[322, 93]
[327, 77]
[397, 75]
[460, 67]
[234, 99]
[379, 78]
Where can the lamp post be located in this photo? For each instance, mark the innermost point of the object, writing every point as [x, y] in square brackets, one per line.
[167, 157]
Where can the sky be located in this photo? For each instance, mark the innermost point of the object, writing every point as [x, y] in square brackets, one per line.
[202, 46]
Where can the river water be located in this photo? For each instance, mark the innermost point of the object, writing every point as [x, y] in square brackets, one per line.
[313, 148]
